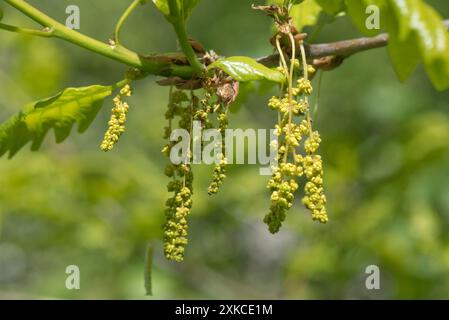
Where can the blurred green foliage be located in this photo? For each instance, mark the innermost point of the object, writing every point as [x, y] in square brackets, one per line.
[385, 149]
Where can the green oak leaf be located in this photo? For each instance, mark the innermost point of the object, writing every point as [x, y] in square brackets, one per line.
[332, 7]
[417, 33]
[357, 12]
[245, 69]
[419, 22]
[305, 14]
[404, 53]
[60, 112]
[162, 6]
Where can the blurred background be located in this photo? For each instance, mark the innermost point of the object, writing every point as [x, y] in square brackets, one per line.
[385, 149]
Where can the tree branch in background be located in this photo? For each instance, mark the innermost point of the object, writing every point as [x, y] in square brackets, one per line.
[338, 50]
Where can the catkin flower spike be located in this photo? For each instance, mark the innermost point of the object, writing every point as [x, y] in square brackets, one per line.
[293, 139]
[283, 183]
[314, 199]
[220, 168]
[177, 211]
[116, 124]
[179, 205]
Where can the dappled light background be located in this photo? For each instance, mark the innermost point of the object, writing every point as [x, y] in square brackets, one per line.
[385, 149]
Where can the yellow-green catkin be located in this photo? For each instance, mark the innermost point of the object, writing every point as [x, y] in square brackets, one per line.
[177, 210]
[179, 205]
[283, 184]
[116, 124]
[314, 198]
[296, 147]
[204, 111]
[220, 168]
[209, 106]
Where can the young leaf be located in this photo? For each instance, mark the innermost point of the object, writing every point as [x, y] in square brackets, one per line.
[294, 2]
[285, 2]
[420, 21]
[404, 53]
[162, 6]
[357, 12]
[417, 33]
[59, 113]
[188, 6]
[332, 7]
[305, 14]
[246, 69]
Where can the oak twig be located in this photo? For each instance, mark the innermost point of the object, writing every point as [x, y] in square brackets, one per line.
[179, 25]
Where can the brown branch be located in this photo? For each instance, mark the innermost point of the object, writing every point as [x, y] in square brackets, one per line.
[336, 52]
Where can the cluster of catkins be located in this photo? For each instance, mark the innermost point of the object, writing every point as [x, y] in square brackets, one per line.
[116, 124]
[187, 109]
[293, 161]
[179, 205]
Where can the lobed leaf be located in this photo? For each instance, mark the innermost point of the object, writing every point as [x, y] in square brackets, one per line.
[404, 53]
[417, 33]
[59, 113]
[357, 12]
[419, 23]
[305, 14]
